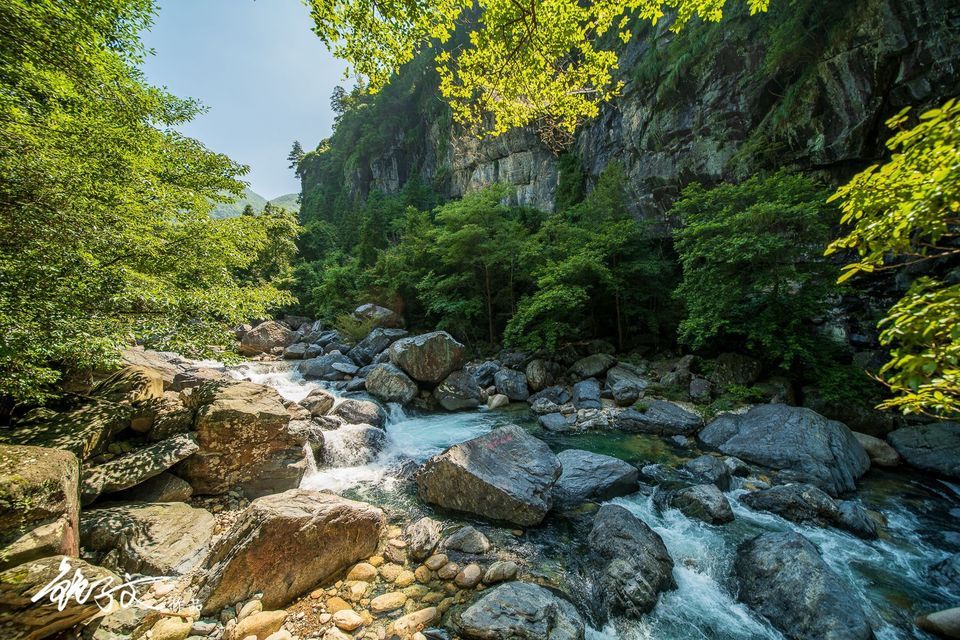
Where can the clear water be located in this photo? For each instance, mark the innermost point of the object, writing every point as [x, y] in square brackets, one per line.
[888, 575]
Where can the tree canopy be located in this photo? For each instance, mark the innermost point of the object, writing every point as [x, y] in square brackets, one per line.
[549, 62]
[105, 235]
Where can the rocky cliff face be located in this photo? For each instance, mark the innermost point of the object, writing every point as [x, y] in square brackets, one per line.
[808, 85]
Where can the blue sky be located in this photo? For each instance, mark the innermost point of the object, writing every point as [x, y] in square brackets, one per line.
[264, 75]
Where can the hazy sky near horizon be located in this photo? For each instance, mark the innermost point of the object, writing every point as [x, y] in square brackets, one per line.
[263, 74]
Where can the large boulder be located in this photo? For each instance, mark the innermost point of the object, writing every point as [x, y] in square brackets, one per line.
[39, 505]
[586, 394]
[265, 337]
[376, 342]
[166, 363]
[702, 501]
[330, 367]
[459, 390]
[783, 578]
[244, 443]
[506, 475]
[282, 545]
[133, 468]
[798, 442]
[353, 411]
[592, 366]
[881, 454]
[318, 402]
[592, 476]
[85, 430]
[806, 504]
[512, 384]
[630, 563]
[161, 539]
[658, 417]
[133, 383]
[379, 316]
[428, 358]
[389, 383]
[932, 447]
[539, 375]
[521, 611]
[709, 469]
[22, 618]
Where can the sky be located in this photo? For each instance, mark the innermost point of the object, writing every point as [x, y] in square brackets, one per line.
[263, 74]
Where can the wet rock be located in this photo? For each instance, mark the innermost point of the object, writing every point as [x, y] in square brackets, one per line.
[800, 443]
[422, 537]
[352, 445]
[265, 337]
[318, 402]
[630, 563]
[945, 624]
[586, 394]
[881, 454]
[39, 504]
[857, 520]
[539, 375]
[795, 502]
[353, 411]
[592, 476]
[557, 422]
[389, 383]
[504, 475]
[946, 573]
[381, 316]
[555, 394]
[469, 576]
[429, 358]
[931, 447]
[244, 443]
[709, 469]
[659, 417]
[328, 367]
[466, 540]
[501, 571]
[458, 391]
[592, 366]
[376, 342]
[272, 547]
[153, 539]
[497, 400]
[703, 501]
[164, 487]
[783, 578]
[132, 469]
[512, 384]
[517, 610]
[21, 617]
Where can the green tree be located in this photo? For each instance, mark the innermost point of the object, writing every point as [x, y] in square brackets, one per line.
[521, 62]
[907, 212]
[753, 273]
[104, 232]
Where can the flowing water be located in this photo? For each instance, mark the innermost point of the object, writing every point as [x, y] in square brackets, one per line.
[888, 575]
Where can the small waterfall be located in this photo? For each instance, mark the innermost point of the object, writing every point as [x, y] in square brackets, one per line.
[311, 460]
[395, 413]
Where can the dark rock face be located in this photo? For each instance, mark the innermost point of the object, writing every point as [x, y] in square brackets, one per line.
[932, 447]
[807, 504]
[946, 573]
[592, 476]
[659, 417]
[800, 443]
[556, 394]
[592, 366]
[630, 563]
[539, 375]
[505, 475]
[703, 501]
[709, 469]
[328, 367]
[484, 372]
[586, 394]
[429, 358]
[512, 384]
[783, 578]
[521, 611]
[458, 391]
[376, 342]
[388, 383]
[273, 547]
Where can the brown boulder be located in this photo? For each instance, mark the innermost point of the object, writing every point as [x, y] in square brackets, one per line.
[39, 505]
[283, 545]
[265, 337]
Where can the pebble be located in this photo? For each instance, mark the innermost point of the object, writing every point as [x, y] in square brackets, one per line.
[436, 561]
[347, 619]
[337, 603]
[448, 571]
[423, 574]
[412, 622]
[358, 590]
[248, 609]
[389, 572]
[405, 579]
[376, 561]
[388, 602]
[469, 576]
[362, 571]
[501, 571]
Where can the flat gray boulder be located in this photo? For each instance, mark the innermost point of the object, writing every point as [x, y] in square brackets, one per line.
[932, 447]
[592, 476]
[586, 394]
[798, 442]
[521, 611]
[630, 564]
[783, 578]
[659, 417]
[506, 475]
[328, 367]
